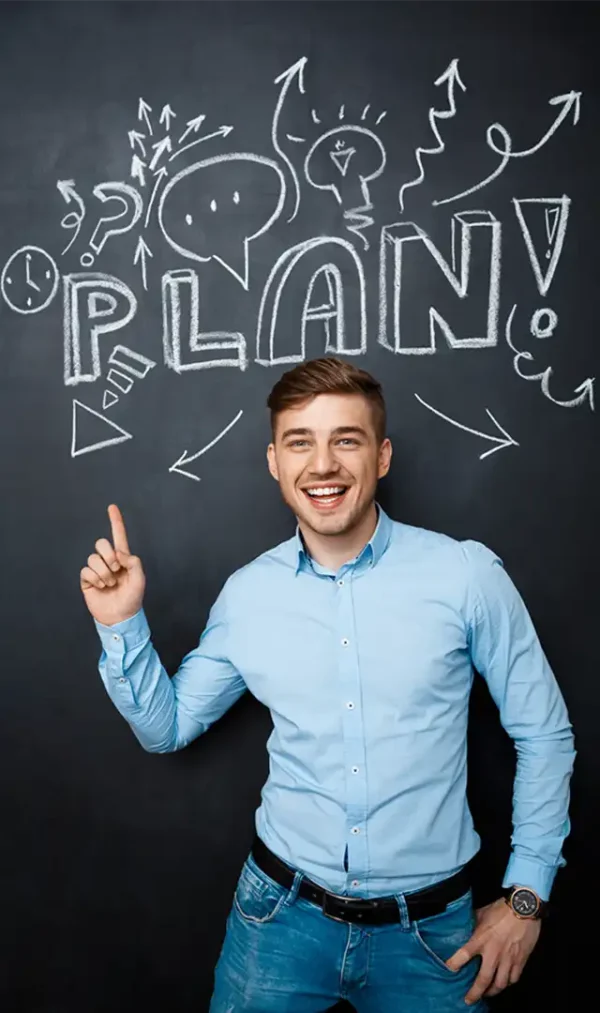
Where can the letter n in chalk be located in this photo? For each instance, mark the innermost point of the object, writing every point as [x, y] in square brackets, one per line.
[94, 304]
[408, 287]
[319, 283]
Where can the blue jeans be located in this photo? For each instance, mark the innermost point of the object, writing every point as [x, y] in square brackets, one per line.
[281, 954]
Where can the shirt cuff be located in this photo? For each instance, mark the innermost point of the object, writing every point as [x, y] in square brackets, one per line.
[525, 872]
[126, 635]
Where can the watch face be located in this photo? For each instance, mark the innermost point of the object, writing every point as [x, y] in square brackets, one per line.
[524, 902]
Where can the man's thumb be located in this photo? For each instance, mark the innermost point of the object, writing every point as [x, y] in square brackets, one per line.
[126, 560]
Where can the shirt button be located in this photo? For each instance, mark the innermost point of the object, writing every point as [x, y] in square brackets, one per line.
[116, 636]
[350, 705]
[122, 680]
[355, 770]
[355, 830]
[355, 882]
[345, 642]
[340, 583]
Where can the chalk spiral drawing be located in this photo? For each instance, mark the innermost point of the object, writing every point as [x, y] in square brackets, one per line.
[208, 206]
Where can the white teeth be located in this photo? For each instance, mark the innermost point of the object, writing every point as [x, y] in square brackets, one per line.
[329, 491]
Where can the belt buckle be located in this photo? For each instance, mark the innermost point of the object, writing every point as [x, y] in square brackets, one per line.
[328, 898]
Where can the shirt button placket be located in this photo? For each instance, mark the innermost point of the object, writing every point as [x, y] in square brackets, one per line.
[353, 729]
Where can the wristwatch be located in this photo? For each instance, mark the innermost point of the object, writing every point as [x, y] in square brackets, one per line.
[525, 903]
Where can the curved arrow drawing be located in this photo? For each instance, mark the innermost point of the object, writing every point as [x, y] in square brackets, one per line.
[570, 100]
[295, 71]
[74, 219]
[452, 77]
[184, 459]
[585, 390]
[500, 442]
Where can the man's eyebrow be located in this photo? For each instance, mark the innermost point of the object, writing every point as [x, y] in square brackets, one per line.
[338, 431]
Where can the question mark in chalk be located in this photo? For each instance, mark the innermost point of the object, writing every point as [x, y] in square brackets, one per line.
[127, 216]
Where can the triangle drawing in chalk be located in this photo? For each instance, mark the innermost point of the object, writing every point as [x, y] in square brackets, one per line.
[544, 234]
[341, 159]
[99, 431]
[109, 399]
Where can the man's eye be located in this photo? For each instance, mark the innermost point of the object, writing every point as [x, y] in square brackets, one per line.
[297, 443]
[349, 439]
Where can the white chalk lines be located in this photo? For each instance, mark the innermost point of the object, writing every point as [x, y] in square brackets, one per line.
[451, 78]
[207, 204]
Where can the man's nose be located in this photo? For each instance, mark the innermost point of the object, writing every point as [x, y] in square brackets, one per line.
[323, 460]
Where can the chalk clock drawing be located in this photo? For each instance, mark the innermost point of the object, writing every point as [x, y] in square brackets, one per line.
[29, 280]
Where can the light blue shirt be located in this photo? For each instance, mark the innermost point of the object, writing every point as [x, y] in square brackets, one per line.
[367, 674]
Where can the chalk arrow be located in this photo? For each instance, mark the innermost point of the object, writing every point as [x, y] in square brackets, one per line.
[143, 110]
[66, 188]
[451, 78]
[162, 172]
[136, 138]
[166, 116]
[223, 131]
[73, 219]
[159, 148]
[585, 391]
[286, 79]
[192, 126]
[571, 100]
[142, 251]
[184, 459]
[137, 169]
[505, 441]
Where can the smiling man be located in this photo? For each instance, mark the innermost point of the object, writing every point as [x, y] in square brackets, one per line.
[361, 635]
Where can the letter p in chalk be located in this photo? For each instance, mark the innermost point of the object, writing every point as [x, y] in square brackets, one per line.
[90, 297]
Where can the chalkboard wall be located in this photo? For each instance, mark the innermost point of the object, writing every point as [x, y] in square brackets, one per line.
[193, 196]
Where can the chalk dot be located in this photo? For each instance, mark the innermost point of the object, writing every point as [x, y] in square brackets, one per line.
[188, 219]
[9, 281]
[48, 274]
[213, 205]
[543, 323]
[236, 198]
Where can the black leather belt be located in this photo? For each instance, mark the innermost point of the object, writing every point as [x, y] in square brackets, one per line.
[378, 911]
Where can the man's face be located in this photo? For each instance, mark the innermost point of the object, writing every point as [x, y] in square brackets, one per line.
[327, 460]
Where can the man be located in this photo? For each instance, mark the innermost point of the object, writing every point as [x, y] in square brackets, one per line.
[361, 634]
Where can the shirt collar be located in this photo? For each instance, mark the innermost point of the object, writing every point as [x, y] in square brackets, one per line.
[373, 550]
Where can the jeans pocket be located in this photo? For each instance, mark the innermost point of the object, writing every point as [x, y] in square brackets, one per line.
[257, 897]
[440, 936]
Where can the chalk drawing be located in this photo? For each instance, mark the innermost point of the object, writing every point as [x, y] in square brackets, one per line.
[29, 280]
[584, 392]
[501, 441]
[451, 78]
[181, 329]
[556, 216]
[186, 459]
[474, 227]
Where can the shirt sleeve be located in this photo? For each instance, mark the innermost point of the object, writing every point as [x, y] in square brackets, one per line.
[166, 714]
[506, 651]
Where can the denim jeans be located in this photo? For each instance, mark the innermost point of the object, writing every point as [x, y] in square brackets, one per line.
[281, 954]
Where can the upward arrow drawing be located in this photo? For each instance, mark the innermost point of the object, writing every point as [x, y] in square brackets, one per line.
[451, 78]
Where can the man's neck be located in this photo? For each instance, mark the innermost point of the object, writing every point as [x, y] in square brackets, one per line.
[332, 551]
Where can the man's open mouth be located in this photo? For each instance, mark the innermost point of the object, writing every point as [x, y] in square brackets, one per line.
[325, 495]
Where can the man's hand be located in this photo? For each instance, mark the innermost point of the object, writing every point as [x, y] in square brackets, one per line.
[113, 581]
[505, 943]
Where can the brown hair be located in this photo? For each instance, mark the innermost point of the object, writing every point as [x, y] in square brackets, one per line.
[327, 375]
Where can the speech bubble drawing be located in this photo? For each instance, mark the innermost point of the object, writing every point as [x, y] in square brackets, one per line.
[216, 207]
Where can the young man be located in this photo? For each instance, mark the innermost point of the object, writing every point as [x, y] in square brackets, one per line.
[361, 635]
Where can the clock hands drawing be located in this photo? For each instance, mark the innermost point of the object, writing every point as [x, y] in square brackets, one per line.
[29, 280]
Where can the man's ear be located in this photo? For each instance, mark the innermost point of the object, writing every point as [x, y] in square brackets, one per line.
[272, 462]
[385, 458]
